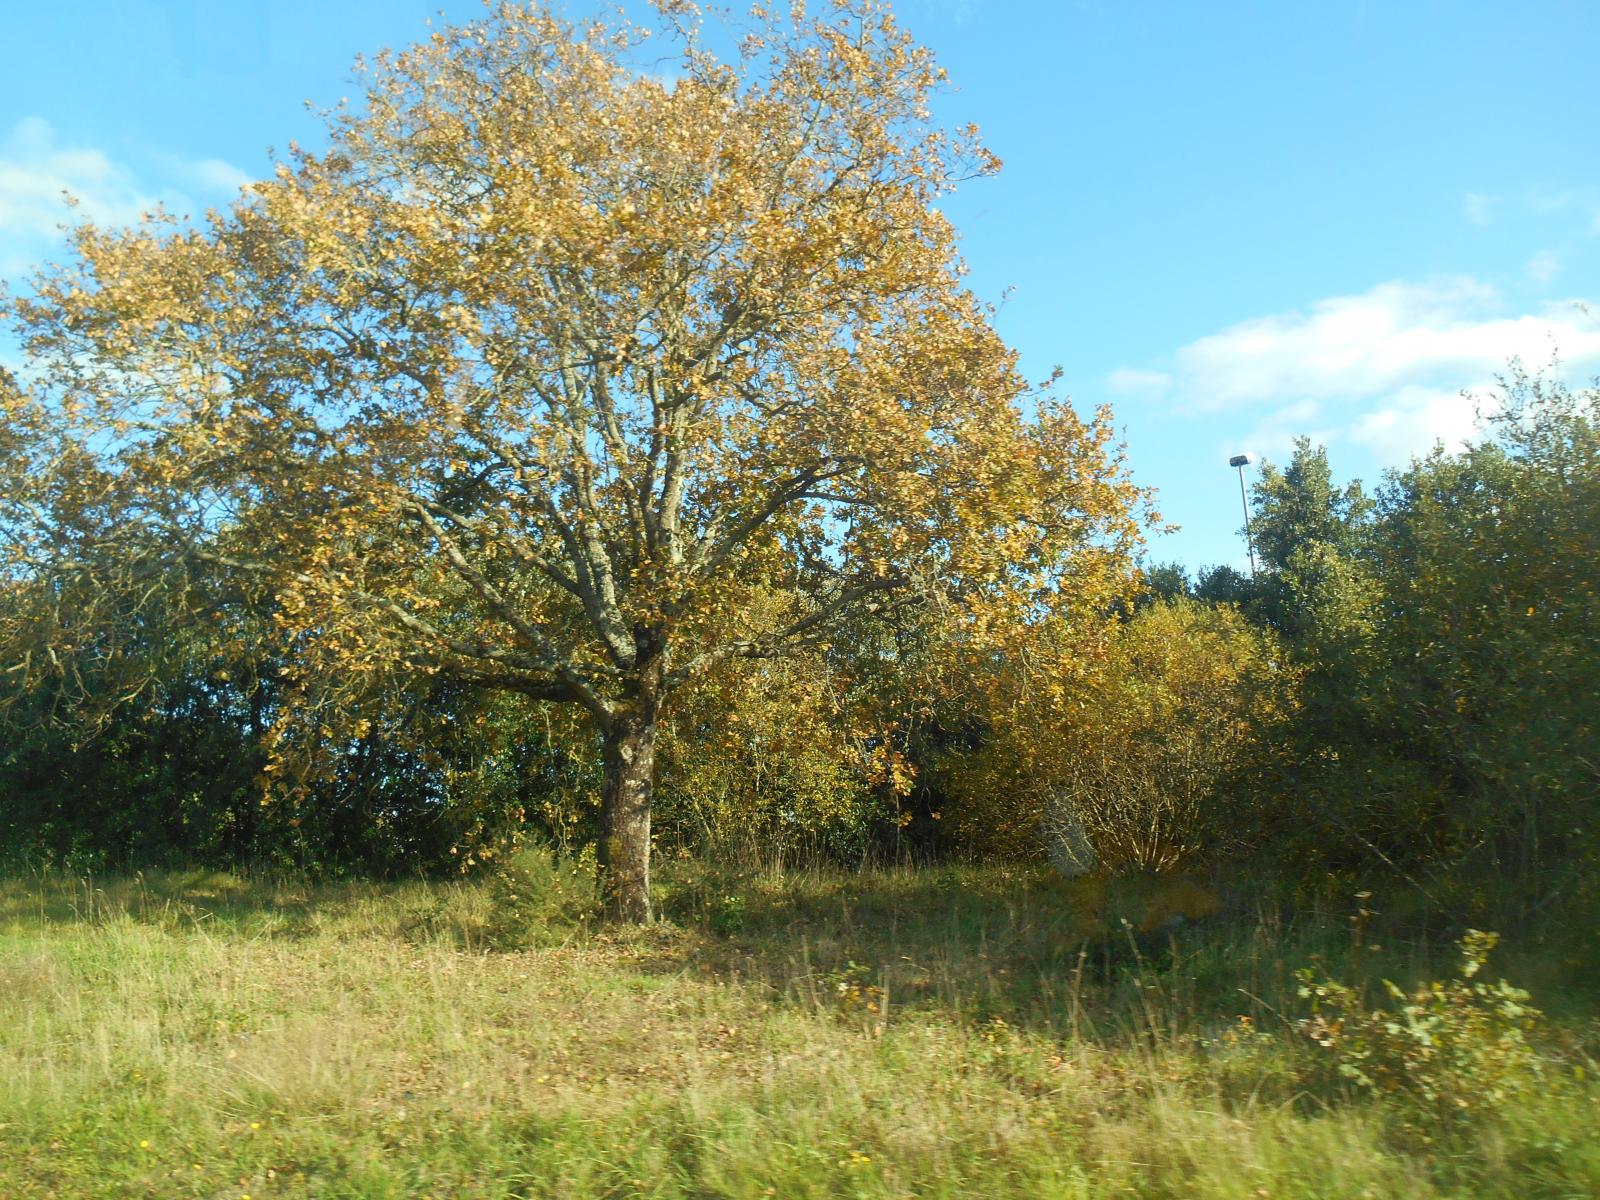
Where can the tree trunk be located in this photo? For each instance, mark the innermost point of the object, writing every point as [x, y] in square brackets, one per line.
[628, 751]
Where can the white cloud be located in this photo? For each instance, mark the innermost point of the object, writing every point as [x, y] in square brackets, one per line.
[1385, 339]
[1384, 368]
[1478, 207]
[1409, 422]
[1273, 436]
[38, 171]
[1130, 381]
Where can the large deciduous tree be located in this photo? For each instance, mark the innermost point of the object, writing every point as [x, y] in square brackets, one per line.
[581, 362]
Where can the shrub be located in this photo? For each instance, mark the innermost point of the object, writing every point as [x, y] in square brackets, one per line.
[1134, 753]
[1444, 1055]
[534, 898]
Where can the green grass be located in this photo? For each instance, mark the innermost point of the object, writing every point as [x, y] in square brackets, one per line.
[930, 1034]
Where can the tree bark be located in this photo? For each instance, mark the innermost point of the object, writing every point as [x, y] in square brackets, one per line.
[628, 748]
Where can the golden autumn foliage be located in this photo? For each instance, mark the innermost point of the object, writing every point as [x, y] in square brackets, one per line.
[572, 379]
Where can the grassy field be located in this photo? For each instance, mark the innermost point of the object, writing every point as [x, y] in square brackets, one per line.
[900, 1034]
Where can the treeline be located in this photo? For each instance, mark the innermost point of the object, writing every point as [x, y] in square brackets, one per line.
[1405, 692]
[1402, 697]
[1444, 636]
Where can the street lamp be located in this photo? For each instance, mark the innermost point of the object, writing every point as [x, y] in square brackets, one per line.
[1242, 461]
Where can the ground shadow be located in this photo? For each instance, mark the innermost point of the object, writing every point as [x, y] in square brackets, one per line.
[1019, 946]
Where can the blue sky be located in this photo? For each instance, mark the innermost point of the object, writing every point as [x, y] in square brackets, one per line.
[1234, 222]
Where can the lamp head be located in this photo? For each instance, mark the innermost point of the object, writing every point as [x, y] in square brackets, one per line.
[1241, 460]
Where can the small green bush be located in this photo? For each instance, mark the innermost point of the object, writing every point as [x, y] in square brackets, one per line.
[534, 899]
[1444, 1055]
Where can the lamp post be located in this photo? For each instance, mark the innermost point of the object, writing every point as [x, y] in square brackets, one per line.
[1242, 461]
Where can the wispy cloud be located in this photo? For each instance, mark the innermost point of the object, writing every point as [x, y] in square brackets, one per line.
[1131, 381]
[1543, 267]
[1544, 203]
[1546, 199]
[207, 175]
[1384, 368]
